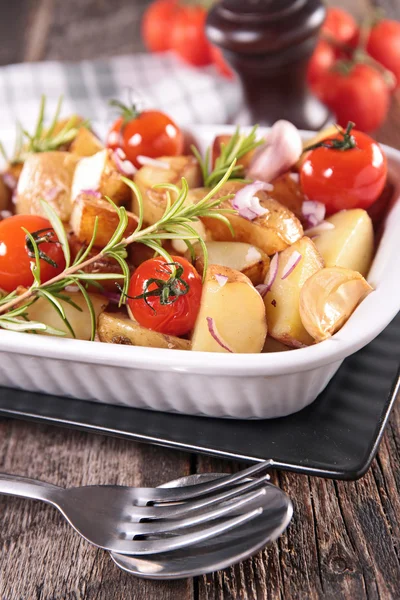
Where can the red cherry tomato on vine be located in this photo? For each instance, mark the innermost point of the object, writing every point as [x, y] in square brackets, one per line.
[188, 37]
[355, 93]
[149, 133]
[351, 176]
[157, 23]
[220, 62]
[164, 301]
[16, 256]
[322, 60]
[340, 25]
[384, 46]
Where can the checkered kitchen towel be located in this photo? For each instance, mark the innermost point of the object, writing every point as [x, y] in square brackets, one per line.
[189, 95]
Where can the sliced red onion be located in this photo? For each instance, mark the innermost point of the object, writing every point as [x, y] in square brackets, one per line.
[291, 264]
[281, 151]
[222, 279]
[94, 193]
[212, 328]
[152, 162]
[247, 203]
[320, 228]
[295, 177]
[295, 344]
[124, 166]
[10, 180]
[313, 212]
[4, 214]
[113, 297]
[265, 287]
[51, 194]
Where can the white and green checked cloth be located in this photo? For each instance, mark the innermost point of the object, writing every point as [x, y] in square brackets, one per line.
[188, 95]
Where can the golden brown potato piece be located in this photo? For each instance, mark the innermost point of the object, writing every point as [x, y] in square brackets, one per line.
[119, 329]
[287, 191]
[232, 314]
[99, 173]
[46, 175]
[350, 244]
[272, 232]
[282, 302]
[225, 139]
[272, 345]
[329, 298]
[85, 143]
[84, 212]
[5, 195]
[44, 312]
[247, 259]
[155, 201]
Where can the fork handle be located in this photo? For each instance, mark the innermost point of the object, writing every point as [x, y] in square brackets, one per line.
[16, 485]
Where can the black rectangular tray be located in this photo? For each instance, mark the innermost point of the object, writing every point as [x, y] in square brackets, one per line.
[336, 436]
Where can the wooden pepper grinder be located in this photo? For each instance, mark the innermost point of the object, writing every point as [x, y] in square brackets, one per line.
[269, 43]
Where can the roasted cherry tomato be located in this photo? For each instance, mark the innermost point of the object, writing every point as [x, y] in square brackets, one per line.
[157, 24]
[164, 300]
[346, 171]
[355, 92]
[147, 133]
[340, 25]
[323, 58]
[16, 254]
[188, 37]
[384, 46]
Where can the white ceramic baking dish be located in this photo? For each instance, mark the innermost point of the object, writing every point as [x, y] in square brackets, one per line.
[242, 386]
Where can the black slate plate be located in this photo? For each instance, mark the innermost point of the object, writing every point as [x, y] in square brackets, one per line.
[336, 436]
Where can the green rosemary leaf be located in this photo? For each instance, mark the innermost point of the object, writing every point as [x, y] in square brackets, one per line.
[121, 227]
[96, 276]
[67, 299]
[8, 297]
[82, 256]
[125, 270]
[17, 325]
[203, 162]
[139, 198]
[3, 153]
[159, 249]
[39, 125]
[35, 267]
[91, 310]
[59, 230]
[56, 116]
[58, 307]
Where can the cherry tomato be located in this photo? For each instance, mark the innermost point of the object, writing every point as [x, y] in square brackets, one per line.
[384, 46]
[157, 23]
[351, 176]
[220, 62]
[357, 93]
[322, 60]
[149, 133]
[162, 301]
[15, 257]
[188, 37]
[340, 25]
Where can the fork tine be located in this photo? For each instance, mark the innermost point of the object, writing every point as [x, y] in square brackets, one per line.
[166, 544]
[183, 494]
[173, 525]
[179, 510]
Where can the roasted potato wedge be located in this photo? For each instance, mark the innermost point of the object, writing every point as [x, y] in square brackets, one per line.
[272, 345]
[329, 298]
[287, 191]
[84, 212]
[86, 143]
[231, 311]
[99, 173]
[46, 175]
[272, 232]
[350, 244]
[119, 329]
[155, 201]
[282, 302]
[247, 259]
[44, 312]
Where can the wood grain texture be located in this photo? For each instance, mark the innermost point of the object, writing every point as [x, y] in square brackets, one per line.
[344, 540]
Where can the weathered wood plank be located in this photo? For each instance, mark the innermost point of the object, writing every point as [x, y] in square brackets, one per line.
[40, 555]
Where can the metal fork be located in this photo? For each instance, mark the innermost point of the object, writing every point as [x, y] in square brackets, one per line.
[108, 516]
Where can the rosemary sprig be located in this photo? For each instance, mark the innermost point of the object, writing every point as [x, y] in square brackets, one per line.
[174, 224]
[43, 140]
[238, 146]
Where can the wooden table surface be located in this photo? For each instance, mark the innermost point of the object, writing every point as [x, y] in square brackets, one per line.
[344, 540]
